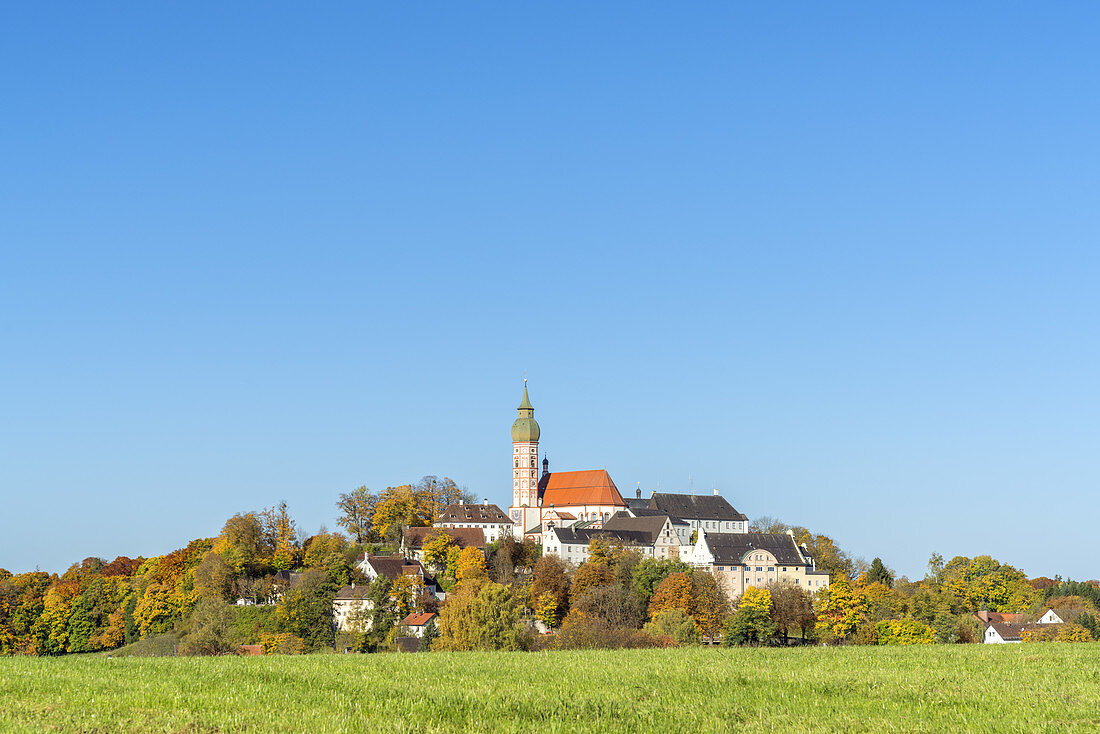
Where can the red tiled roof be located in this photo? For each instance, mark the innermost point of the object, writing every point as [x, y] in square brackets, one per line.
[576, 488]
[416, 620]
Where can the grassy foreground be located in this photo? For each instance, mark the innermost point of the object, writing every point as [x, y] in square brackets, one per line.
[1046, 687]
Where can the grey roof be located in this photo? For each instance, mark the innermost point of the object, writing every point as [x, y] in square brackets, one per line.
[695, 506]
[651, 524]
[474, 513]
[730, 548]
[584, 536]
[416, 537]
[352, 592]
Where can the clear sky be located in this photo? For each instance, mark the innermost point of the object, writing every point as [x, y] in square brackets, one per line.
[838, 261]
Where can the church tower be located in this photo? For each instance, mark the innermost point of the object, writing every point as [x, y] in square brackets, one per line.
[525, 459]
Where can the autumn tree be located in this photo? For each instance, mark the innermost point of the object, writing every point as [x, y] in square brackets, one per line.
[650, 572]
[675, 592]
[436, 494]
[752, 621]
[326, 552]
[840, 609]
[550, 578]
[280, 536]
[436, 549]
[213, 577]
[589, 575]
[792, 608]
[306, 609]
[709, 605]
[241, 543]
[471, 566]
[356, 510]
[484, 617]
[397, 508]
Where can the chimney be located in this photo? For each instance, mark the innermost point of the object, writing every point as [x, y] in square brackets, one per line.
[353, 584]
[484, 500]
[462, 502]
[715, 492]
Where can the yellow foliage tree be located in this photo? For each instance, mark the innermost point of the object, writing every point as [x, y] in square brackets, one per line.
[404, 593]
[399, 507]
[470, 566]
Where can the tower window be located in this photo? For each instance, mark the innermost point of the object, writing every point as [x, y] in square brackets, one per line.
[517, 463]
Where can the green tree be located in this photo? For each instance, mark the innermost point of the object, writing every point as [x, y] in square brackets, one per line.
[480, 618]
[878, 573]
[306, 609]
[752, 622]
[650, 572]
[210, 628]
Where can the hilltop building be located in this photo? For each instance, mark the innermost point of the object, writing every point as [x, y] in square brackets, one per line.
[573, 496]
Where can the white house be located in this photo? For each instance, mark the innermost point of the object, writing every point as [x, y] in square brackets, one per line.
[418, 622]
[490, 519]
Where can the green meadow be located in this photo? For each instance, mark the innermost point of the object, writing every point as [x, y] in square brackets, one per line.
[963, 688]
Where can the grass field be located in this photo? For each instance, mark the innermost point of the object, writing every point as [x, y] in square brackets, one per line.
[971, 688]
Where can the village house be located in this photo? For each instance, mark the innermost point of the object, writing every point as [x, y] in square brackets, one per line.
[740, 560]
[417, 622]
[1005, 632]
[489, 519]
[351, 602]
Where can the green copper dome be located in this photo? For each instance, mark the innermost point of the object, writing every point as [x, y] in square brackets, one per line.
[526, 428]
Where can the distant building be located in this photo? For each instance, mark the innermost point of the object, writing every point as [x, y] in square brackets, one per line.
[489, 519]
[585, 495]
[1000, 633]
[740, 560]
[701, 512]
[349, 601]
[418, 622]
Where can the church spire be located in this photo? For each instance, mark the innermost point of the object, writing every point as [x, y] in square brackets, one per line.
[526, 404]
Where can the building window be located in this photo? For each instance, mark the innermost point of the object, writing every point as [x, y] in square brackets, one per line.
[771, 569]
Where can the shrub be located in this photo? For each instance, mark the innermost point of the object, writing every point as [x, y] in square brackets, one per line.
[673, 625]
[283, 643]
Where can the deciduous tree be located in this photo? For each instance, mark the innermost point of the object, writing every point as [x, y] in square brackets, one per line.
[356, 509]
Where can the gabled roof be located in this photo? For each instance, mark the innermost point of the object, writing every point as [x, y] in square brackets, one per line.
[652, 524]
[352, 592]
[574, 488]
[416, 537]
[418, 619]
[584, 536]
[1000, 617]
[394, 567]
[695, 506]
[474, 513]
[730, 548]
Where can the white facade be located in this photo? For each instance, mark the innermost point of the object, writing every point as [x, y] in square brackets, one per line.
[1051, 617]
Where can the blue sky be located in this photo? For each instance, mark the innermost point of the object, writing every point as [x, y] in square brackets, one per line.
[838, 262]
